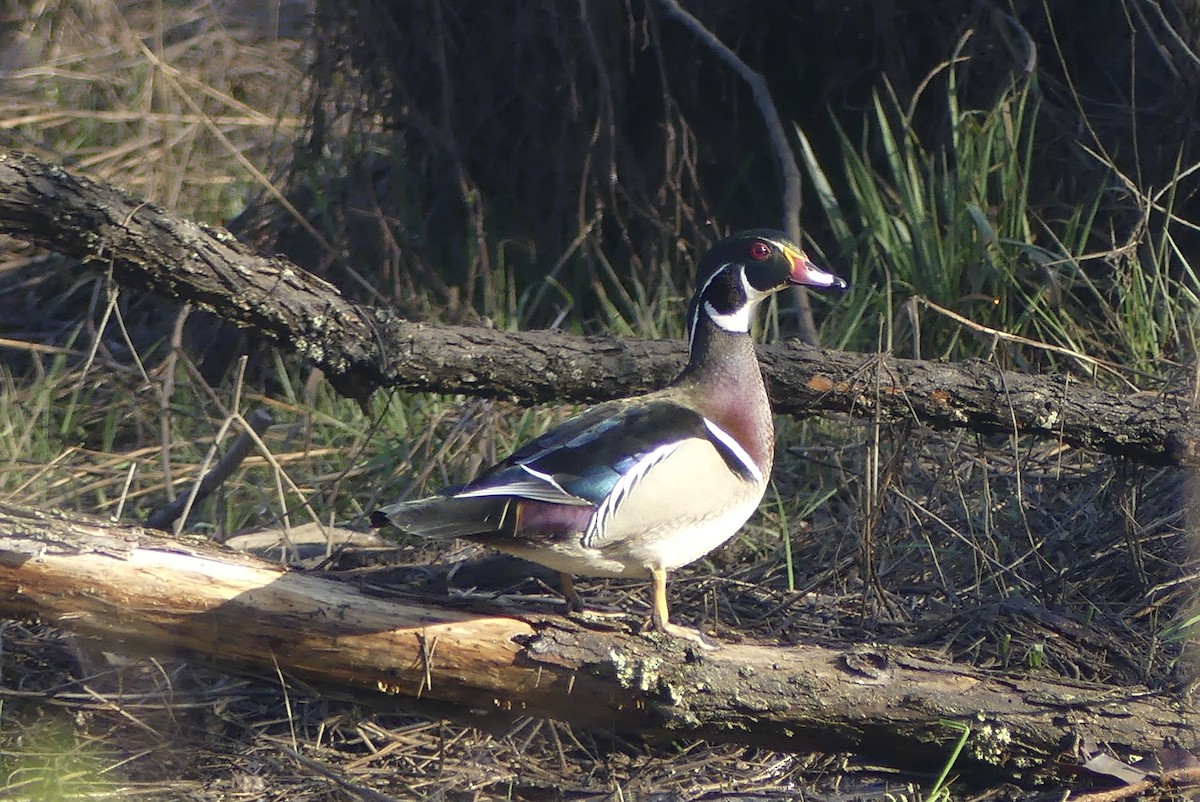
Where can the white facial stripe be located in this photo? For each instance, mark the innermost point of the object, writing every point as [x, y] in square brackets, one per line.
[695, 321]
[753, 294]
[733, 445]
[695, 316]
[738, 320]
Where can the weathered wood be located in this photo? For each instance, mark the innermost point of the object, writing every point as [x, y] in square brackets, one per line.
[362, 349]
[132, 587]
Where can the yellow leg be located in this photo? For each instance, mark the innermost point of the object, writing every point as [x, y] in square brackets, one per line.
[570, 594]
[659, 616]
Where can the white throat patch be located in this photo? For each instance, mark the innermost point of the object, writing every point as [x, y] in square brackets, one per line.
[739, 320]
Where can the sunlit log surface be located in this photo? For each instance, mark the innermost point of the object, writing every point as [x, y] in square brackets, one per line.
[134, 589]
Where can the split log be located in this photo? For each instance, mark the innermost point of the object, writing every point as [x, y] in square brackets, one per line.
[134, 588]
[362, 349]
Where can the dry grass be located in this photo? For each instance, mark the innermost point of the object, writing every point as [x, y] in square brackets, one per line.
[1002, 552]
[177, 102]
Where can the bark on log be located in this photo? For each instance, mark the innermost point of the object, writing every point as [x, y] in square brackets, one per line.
[132, 587]
[362, 349]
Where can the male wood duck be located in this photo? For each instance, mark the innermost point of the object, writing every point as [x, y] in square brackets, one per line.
[641, 486]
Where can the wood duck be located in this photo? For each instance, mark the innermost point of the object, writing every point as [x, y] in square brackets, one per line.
[641, 486]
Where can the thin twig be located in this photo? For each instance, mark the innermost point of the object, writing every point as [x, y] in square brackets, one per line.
[1173, 778]
[165, 394]
[37, 348]
[259, 420]
[129, 474]
[362, 792]
[1103, 364]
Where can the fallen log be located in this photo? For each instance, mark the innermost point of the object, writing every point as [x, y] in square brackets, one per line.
[362, 349]
[137, 589]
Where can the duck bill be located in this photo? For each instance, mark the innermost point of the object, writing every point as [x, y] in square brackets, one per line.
[805, 272]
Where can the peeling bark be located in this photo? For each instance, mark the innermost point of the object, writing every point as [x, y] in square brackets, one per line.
[133, 588]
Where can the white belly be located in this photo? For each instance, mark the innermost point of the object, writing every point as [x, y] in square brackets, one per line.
[670, 548]
[672, 518]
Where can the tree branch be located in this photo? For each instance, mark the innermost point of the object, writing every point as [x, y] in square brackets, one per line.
[132, 587]
[788, 170]
[362, 349]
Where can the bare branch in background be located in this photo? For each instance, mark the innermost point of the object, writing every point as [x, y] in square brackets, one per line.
[788, 171]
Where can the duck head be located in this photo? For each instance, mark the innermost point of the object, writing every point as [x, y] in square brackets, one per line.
[743, 270]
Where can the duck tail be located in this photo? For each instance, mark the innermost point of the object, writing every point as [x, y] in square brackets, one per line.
[445, 517]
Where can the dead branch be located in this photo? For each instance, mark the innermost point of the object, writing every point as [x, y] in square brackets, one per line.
[362, 349]
[788, 170]
[134, 588]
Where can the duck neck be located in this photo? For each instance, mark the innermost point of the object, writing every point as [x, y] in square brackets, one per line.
[722, 359]
[725, 383]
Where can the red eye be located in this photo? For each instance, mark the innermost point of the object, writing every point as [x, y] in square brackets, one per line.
[759, 251]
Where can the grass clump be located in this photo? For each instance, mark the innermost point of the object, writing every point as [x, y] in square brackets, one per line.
[167, 100]
[952, 243]
[49, 761]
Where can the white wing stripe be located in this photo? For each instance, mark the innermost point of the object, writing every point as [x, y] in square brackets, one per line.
[540, 487]
[734, 446]
[545, 477]
[608, 507]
